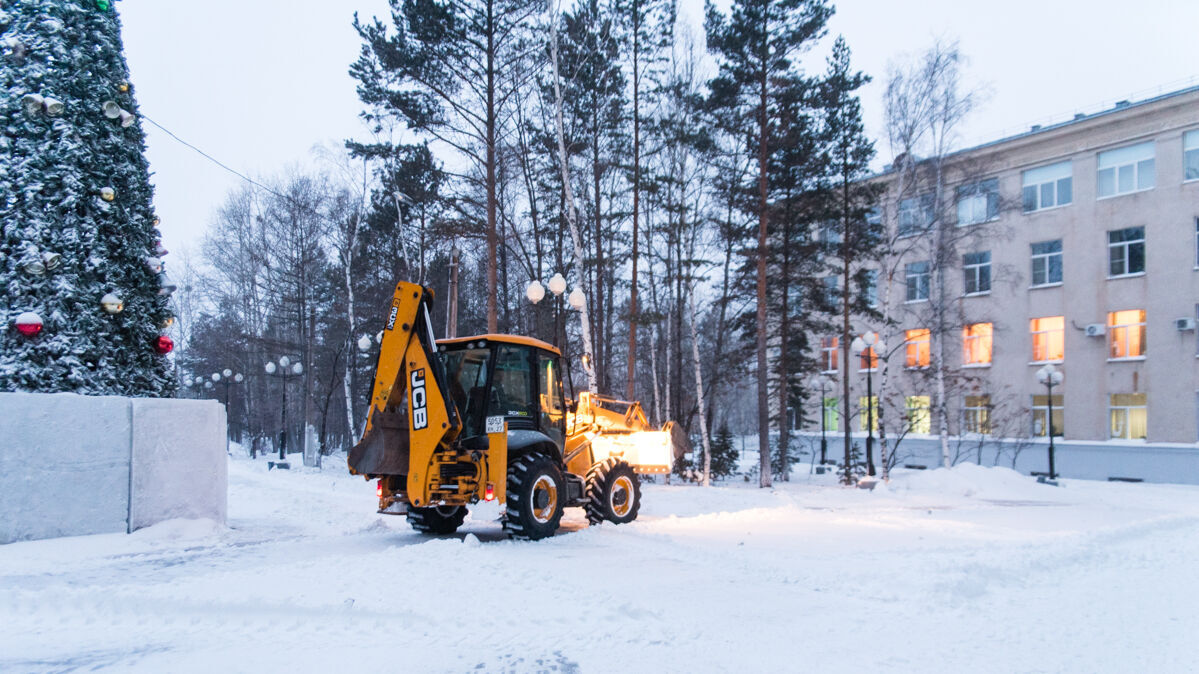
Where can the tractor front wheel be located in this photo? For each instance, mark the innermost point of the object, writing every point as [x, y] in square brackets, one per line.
[535, 497]
[436, 519]
[613, 492]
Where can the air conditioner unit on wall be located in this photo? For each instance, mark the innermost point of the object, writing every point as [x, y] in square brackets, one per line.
[1184, 324]
[1095, 330]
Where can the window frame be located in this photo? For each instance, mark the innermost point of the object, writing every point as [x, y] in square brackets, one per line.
[981, 413]
[1127, 410]
[1111, 335]
[1126, 245]
[1059, 412]
[1034, 332]
[831, 411]
[1136, 168]
[968, 338]
[1191, 136]
[925, 275]
[1047, 258]
[830, 352]
[1039, 187]
[920, 206]
[988, 190]
[910, 410]
[909, 343]
[979, 271]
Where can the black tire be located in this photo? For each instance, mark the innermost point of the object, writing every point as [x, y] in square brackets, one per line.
[613, 492]
[437, 519]
[535, 498]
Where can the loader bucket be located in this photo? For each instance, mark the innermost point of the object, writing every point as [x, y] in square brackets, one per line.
[645, 451]
[384, 449]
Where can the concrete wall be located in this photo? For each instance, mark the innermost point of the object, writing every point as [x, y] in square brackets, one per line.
[73, 465]
[1150, 462]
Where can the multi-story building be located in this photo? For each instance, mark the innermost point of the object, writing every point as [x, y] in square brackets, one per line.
[1075, 244]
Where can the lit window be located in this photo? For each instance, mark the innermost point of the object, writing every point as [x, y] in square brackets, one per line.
[976, 415]
[869, 359]
[828, 353]
[919, 419]
[1047, 263]
[830, 414]
[1126, 169]
[977, 270]
[1197, 243]
[1126, 252]
[1048, 186]
[918, 352]
[1040, 412]
[915, 215]
[1127, 333]
[1190, 155]
[1048, 338]
[976, 345]
[868, 407]
[1129, 419]
[917, 276]
[978, 202]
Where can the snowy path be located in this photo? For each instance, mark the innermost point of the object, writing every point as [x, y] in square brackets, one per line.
[976, 570]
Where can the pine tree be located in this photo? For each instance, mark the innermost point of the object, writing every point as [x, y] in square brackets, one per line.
[724, 455]
[75, 208]
[850, 200]
[756, 46]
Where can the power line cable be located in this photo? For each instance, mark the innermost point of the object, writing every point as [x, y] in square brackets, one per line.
[214, 159]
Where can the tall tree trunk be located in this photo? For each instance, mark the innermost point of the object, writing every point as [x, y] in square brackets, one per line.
[763, 374]
[347, 380]
[631, 375]
[572, 213]
[492, 239]
[699, 394]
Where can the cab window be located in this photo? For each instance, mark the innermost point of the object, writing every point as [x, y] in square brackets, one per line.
[553, 410]
[467, 371]
[511, 390]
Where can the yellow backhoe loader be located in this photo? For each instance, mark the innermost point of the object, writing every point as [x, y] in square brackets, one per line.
[483, 418]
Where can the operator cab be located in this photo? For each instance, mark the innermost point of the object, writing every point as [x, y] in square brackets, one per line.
[517, 378]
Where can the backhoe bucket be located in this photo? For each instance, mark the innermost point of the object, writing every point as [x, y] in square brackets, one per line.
[384, 448]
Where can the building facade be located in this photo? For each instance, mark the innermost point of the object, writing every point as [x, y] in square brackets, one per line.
[1075, 244]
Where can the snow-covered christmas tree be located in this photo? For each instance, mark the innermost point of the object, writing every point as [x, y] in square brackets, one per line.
[85, 309]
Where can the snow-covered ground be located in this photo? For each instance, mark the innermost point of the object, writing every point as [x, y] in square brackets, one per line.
[969, 570]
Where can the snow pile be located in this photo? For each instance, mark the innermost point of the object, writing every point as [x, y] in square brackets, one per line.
[954, 570]
[970, 480]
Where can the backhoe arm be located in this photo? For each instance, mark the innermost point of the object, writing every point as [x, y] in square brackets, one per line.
[411, 415]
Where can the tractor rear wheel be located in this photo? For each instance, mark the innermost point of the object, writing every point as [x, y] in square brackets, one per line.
[436, 519]
[613, 492]
[536, 494]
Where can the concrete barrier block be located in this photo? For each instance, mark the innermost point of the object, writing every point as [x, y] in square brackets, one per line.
[179, 461]
[64, 465]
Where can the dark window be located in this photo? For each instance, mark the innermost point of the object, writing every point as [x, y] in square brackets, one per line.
[511, 394]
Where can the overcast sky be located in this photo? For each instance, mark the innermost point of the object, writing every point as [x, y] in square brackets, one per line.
[258, 83]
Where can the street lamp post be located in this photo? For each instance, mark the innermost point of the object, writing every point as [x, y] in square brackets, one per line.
[869, 342]
[227, 377]
[1050, 377]
[286, 370]
[822, 382]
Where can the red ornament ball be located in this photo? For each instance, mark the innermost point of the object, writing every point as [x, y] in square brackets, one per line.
[29, 324]
[163, 345]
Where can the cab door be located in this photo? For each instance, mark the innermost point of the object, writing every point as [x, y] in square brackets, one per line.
[551, 405]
